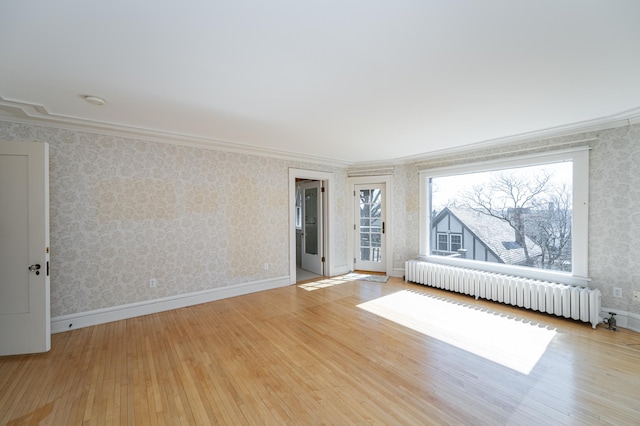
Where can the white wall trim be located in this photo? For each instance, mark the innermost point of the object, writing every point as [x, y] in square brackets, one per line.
[35, 114]
[623, 119]
[38, 115]
[398, 272]
[624, 319]
[388, 183]
[580, 228]
[132, 310]
[329, 228]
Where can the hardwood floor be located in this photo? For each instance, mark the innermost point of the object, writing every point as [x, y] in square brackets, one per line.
[326, 353]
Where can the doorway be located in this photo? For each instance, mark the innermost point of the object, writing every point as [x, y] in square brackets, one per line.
[310, 233]
[310, 208]
[371, 238]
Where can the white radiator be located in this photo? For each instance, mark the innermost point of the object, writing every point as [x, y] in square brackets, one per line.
[564, 300]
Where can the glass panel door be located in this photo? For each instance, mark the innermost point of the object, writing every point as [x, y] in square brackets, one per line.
[312, 227]
[370, 232]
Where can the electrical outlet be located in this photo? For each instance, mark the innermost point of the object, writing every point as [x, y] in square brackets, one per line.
[636, 296]
[617, 292]
[152, 282]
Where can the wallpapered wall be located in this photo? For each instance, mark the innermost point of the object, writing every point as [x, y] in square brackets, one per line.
[123, 211]
[614, 206]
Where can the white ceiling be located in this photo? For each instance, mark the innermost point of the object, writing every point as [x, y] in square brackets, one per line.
[353, 81]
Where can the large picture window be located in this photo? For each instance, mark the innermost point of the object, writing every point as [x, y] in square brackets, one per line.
[525, 216]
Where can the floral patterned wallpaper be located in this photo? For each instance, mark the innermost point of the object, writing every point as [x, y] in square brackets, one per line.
[126, 210]
[123, 211]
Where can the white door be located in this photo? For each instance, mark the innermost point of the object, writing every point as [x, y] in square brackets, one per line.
[312, 236]
[25, 324]
[369, 227]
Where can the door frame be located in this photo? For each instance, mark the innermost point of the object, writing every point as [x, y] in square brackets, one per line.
[328, 215]
[388, 196]
[314, 261]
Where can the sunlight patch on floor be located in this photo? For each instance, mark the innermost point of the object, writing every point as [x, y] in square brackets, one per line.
[322, 283]
[330, 282]
[508, 341]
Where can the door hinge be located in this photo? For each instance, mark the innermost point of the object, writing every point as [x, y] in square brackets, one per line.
[322, 189]
[354, 226]
[323, 259]
[354, 193]
[354, 260]
[383, 227]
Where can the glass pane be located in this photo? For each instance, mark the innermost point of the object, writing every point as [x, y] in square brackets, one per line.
[510, 208]
[375, 196]
[364, 254]
[370, 224]
[311, 220]
[442, 242]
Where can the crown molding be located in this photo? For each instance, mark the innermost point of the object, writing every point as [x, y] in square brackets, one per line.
[623, 119]
[35, 114]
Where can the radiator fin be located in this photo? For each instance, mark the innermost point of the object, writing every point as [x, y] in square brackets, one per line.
[564, 300]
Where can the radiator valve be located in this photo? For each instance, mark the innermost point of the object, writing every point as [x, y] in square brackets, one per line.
[611, 321]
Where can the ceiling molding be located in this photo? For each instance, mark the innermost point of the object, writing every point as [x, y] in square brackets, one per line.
[623, 119]
[35, 114]
[27, 113]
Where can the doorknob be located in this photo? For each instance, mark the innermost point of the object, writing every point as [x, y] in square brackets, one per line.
[34, 268]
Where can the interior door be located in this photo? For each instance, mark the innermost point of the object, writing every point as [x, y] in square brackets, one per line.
[312, 233]
[25, 324]
[369, 227]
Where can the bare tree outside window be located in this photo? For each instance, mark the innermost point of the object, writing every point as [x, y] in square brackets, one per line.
[519, 216]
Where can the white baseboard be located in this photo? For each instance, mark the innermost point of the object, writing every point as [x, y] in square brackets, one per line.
[624, 319]
[340, 270]
[131, 310]
[398, 272]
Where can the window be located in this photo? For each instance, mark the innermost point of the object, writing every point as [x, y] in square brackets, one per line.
[456, 242]
[298, 207]
[448, 243]
[443, 242]
[525, 216]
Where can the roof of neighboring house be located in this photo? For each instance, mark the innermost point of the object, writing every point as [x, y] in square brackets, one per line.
[496, 234]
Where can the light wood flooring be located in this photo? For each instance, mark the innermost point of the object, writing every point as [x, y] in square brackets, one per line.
[314, 355]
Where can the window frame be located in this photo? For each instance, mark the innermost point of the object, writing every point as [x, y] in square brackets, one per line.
[451, 241]
[580, 225]
[298, 204]
[439, 241]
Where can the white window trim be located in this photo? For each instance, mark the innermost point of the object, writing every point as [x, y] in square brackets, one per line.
[438, 234]
[451, 240]
[580, 225]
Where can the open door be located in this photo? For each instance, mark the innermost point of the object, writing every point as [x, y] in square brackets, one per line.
[25, 323]
[312, 227]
